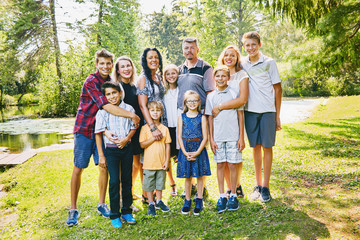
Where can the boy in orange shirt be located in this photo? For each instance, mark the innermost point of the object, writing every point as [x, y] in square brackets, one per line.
[156, 158]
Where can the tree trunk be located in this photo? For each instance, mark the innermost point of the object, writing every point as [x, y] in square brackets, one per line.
[240, 20]
[55, 41]
[100, 18]
[1, 96]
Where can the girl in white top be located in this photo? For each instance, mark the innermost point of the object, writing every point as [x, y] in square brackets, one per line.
[239, 81]
[171, 74]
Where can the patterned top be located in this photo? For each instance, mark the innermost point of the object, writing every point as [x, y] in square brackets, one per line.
[91, 100]
[191, 126]
[121, 126]
[154, 93]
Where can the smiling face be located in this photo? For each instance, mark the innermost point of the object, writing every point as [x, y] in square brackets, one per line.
[152, 59]
[190, 51]
[192, 102]
[171, 76]
[252, 47]
[221, 80]
[125, 69]
[230, 58]
[113, 95]
[104, 65]
[155, 113]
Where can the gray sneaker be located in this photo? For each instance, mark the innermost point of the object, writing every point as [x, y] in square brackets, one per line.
[152, 211]
[255, 195]
[73, 216]
[265, 194]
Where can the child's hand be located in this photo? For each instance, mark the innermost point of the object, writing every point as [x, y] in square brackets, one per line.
[102, 162]
[214, 147]
[165, 166]
[121, 142]
[192, 156]
[111, 136]
[240, 145]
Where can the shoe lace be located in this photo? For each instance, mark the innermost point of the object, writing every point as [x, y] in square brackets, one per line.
[72, 214]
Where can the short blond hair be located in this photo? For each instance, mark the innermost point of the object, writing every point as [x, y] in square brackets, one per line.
[222, 68]
[155, 104]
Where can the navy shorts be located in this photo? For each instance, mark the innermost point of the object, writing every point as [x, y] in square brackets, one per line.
[83, 149]
[260, 128]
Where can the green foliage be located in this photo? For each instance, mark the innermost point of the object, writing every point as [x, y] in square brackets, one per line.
[8, 100]
[28, 98]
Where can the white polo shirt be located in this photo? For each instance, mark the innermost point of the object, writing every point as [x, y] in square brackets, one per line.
[262, 76]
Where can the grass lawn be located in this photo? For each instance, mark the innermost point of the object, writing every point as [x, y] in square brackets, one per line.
[315, 189]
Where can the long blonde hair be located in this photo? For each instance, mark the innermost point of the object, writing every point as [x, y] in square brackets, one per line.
[115, 76]
[168, 68]
[238, 56]
[189, 93]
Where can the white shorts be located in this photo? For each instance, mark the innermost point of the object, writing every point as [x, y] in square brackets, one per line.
[227, 152]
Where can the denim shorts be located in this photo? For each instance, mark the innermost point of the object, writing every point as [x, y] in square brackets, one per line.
[227, 152]
[260, 128]
[154, 179]
[83, 149]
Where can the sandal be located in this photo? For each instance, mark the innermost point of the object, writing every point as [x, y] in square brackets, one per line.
[144, 199]
[239, 192]
[173, 190]
[134, 209]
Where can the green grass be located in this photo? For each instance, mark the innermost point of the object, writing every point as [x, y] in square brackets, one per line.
[315, 186]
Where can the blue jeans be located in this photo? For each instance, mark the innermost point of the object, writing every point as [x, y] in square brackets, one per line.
[120, 160]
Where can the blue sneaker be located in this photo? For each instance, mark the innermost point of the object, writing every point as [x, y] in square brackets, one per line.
[73, 216]
[265, 194]
[187, 206]
[221, 205]
[233, 204]
[151, 210]
[161, 205]
[198, 206]
[129, 218]
[116, 223]
[103, 209]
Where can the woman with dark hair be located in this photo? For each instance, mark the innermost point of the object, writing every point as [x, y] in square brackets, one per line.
[151, 88]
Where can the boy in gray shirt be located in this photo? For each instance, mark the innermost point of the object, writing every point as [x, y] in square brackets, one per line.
[226, 137]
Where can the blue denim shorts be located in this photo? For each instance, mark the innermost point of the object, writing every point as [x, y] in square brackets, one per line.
[260, 128]
[83, 149]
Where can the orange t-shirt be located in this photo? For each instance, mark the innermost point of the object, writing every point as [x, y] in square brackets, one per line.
[154, 155]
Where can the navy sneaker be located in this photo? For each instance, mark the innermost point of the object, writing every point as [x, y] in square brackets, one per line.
[73, 216]
[265, 194]
[161, 205]
[129, 218]
[233, 203]
[151, 210]
[103, 209]
[221, 205]
[198, 206]
[187, 206]
[255, 195]
[116, 223]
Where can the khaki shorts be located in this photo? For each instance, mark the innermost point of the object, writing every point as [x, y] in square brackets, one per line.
[154, 179]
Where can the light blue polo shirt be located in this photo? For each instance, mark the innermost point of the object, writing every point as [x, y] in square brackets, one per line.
[226, 124]
[262, 76]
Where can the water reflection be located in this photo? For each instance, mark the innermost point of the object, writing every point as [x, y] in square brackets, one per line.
[22, 142]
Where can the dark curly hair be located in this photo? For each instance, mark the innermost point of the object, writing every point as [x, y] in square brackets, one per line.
[146, 69]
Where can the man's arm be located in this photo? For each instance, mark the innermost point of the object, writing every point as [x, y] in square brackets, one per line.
[278, 96]
[118, 111]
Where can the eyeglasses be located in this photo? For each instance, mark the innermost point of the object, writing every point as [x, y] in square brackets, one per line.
[192, 101]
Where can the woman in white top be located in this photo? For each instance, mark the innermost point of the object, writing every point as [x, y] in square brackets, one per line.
[239, 81]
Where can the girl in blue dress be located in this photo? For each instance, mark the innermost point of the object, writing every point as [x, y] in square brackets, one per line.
[193, 160]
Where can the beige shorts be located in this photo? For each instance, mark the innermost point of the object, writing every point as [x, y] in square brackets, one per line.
[154, 179]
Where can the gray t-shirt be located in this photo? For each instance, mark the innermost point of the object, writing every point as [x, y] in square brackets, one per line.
[226, 124]
[197, 78]
[262, 76]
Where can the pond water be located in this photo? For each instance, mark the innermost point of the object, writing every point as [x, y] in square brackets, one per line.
[18, 133]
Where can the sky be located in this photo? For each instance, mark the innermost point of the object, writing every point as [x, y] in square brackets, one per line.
[69, 11]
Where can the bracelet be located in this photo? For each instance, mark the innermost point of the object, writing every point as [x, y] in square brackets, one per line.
[153, 129]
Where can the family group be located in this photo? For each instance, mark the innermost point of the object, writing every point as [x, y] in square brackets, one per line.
[133, 125]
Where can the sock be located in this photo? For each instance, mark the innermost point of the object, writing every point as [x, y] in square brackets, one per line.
[157, 201]
[151, 203]
[222, 195]
[233, 195]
